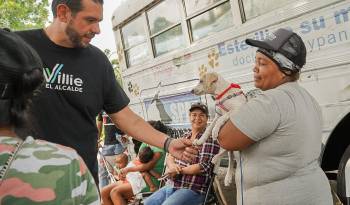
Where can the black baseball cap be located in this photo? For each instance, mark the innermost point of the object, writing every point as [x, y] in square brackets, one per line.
[16, 58]
[285, 42]
[201, 107]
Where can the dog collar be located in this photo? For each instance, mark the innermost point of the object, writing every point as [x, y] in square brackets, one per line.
[232, 85]
[220, 103]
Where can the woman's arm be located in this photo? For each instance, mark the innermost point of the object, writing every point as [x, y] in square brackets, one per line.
[154, 174]
[144, 167]
[172, 168]
[192, 169]
[231, 138]
[139, 129]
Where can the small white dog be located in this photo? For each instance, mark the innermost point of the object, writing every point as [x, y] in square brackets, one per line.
[228, 98]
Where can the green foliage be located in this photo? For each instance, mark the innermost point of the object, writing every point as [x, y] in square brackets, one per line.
[115, 65]
[160, 23]
[23, 14]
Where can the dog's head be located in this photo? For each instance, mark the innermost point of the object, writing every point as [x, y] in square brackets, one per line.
[207, 84]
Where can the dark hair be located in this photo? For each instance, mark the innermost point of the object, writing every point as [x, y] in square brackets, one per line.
[146, 154]
[74, 5]
[294, 76]
[23, 91]
[158, 125]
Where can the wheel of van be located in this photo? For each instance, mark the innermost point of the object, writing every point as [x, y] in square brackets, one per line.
[341, 178]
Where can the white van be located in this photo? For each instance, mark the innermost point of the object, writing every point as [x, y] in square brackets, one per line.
[165, 45]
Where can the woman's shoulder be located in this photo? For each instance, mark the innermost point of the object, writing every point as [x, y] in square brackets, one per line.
[50, 148]
[280, 93]
[52, 167]
[40, 153]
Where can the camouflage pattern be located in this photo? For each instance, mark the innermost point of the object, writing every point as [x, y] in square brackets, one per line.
[45, 173]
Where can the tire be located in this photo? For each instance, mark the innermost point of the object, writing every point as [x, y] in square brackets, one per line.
[341, 183]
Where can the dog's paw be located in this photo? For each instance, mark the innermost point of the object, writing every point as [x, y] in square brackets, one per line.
[215, 159]
[196, 142]
[202, 139]
[228, 179]
[216, 168]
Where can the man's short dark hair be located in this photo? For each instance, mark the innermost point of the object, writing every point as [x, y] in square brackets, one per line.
[146, 154]
[74, 5]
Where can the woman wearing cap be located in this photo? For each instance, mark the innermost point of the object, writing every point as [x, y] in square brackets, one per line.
[190, 181]
[279, 131]
[33, 171]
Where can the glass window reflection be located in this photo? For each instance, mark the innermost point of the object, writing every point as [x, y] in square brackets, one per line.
[192, 6]
[168, 41]
[163, 16]
[214, 20]
[254, 8]
[133, 33]
[137, 54]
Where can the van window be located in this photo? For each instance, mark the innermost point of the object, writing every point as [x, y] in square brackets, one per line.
[254, 8]
[214, 20]
[165, 27]
[193, 6]
[134, 40]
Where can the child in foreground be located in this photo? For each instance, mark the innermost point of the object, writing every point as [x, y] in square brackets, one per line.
[131, 184]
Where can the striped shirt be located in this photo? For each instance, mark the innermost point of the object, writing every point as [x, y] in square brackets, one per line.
[200, 182]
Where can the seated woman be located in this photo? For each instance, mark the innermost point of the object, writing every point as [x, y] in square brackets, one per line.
[190, 181]
[33, 171]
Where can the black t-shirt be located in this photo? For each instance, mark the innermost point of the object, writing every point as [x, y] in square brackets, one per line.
[80, 82]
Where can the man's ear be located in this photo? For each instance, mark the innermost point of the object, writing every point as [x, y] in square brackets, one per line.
[63, 13]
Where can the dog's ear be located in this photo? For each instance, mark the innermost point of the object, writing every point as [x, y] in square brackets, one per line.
[212, 78]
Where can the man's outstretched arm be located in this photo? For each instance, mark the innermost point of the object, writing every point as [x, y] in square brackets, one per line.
[136, 127]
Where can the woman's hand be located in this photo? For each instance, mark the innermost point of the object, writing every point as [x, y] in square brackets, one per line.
[173, 170]
[120, 176]
[124, 172]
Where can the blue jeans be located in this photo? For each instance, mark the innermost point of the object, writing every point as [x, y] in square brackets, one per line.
[109, 150]
[171, 196]
[103, 176]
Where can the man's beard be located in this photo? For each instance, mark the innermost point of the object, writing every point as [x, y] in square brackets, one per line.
[74, 37]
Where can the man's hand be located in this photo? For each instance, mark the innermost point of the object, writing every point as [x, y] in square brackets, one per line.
[182, 149]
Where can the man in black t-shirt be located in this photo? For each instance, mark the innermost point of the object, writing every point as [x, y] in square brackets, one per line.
[80, 83]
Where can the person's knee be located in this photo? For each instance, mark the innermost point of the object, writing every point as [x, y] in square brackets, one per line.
[115, 191]
[104, 192]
